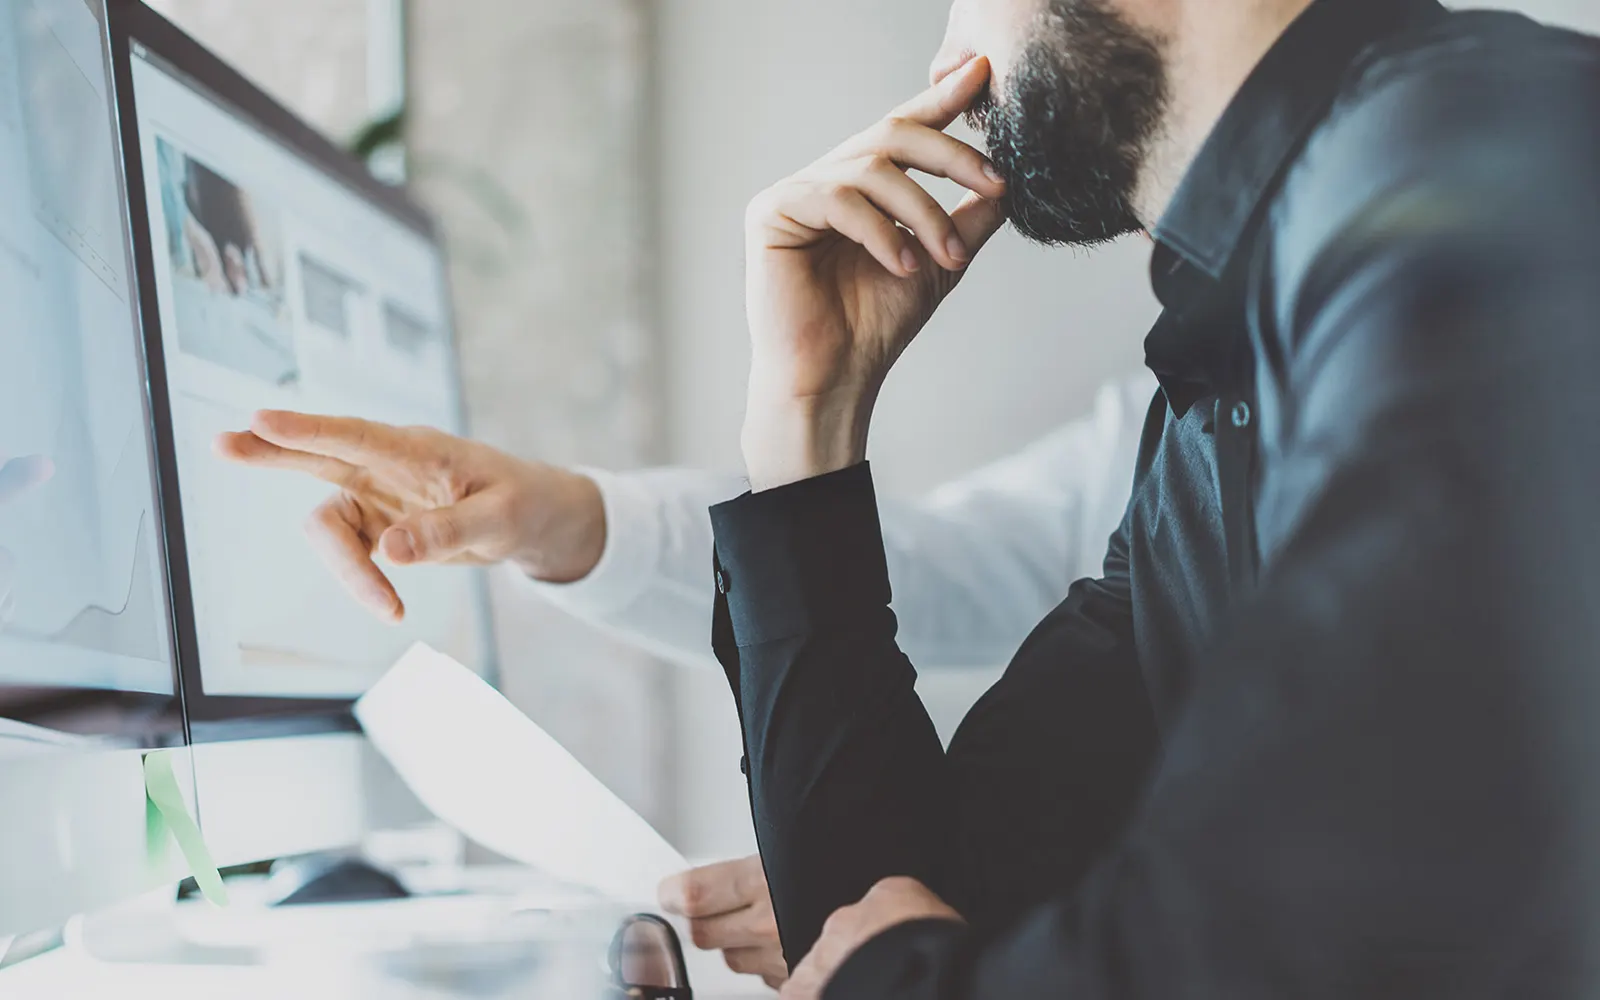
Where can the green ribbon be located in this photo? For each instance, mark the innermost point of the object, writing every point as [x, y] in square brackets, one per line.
[161, 786]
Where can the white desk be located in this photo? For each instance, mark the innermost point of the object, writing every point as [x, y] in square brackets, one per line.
[63, 974]
[445, 948]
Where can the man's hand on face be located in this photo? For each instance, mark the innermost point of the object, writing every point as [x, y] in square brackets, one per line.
[892, 902]
[847, 260]
[730, 910]
[416, 495]
[17, 476]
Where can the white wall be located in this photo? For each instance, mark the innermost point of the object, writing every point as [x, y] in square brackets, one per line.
[1583, 15]
[748, 92]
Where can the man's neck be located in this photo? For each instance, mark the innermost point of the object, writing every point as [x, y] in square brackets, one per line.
[1209, 56]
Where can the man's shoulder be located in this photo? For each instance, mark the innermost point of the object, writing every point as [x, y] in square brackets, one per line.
[1467, 80]
[1466, 35]
[1467, 47]
[1473, 121]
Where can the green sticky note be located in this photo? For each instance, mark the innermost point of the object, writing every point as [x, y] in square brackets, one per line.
[161, 785]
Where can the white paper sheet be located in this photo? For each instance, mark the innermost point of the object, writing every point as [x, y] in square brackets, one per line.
[485, 768]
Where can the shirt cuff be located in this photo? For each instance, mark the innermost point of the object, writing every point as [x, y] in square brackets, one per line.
[910, 961]
[631, 557]
[802, 556]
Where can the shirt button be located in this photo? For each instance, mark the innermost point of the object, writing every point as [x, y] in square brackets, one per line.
[722, 583]
[744, 766]
[1241, 414]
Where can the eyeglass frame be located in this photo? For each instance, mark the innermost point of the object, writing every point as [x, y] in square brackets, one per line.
[635, 991]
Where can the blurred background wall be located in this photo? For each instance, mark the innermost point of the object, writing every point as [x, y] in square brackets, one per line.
[591, 160]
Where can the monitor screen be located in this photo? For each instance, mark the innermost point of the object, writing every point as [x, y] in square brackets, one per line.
[281, 286]
[85, 632]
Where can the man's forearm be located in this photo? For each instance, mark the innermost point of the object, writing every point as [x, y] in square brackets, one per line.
[808, 639]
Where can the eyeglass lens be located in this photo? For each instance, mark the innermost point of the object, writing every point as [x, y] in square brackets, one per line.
[647, 955]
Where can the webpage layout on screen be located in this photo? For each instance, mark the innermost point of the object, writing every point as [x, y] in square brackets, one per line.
[282, 288]
[82, 593]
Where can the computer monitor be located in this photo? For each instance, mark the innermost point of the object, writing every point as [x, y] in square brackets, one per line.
[87, 678]
[276, 274]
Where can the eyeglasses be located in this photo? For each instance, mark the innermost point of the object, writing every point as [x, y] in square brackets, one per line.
[646, 961]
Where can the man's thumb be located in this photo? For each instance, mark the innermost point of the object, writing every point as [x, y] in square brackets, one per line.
[440, 535]
[430, 537]
[977, 219]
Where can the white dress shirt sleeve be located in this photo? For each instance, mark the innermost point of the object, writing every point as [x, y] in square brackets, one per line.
[975, 564]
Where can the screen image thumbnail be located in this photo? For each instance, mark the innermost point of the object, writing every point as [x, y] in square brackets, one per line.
[228, 271]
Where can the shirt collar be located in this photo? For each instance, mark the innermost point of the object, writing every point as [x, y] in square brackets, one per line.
[1283, 99]
[1260, 133]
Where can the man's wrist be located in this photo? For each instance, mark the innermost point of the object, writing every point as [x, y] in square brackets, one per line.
[793, 440]
[563, 527]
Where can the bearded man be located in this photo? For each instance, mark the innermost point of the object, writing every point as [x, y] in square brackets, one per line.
[1325, 726]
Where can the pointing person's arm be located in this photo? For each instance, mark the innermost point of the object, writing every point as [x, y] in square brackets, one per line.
[415, 495]
[974, 563]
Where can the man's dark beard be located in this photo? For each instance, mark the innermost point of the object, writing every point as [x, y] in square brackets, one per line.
[1072, 128]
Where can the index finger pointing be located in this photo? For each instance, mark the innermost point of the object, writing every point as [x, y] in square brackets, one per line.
[246, 448]
[348, 439]
[940, 105]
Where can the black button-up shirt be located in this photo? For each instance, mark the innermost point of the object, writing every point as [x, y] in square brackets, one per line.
[1329, 725]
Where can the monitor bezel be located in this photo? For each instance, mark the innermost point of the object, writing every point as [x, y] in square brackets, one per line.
[221, 718]
[144, 720]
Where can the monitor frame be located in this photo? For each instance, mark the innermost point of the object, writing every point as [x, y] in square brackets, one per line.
[143, 720]
[86, 838]
[222, 718]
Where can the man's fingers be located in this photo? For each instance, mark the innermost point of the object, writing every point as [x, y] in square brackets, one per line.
[336, 533]
[806, 982]
[905, 202]
[764, 962]
[715, 889]
[358, 442]
[866, 196]
[977, 219]
[846, 211]
[916, 147]
[246, 448]
[940, 105]
[435, 536]
[751, 927]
